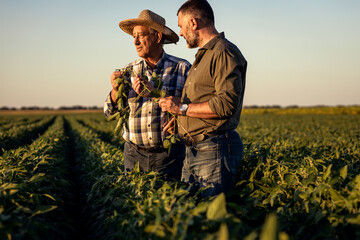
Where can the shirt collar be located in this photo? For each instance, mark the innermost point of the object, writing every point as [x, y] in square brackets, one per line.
[209, 45]
[214, 40]
[159, 64]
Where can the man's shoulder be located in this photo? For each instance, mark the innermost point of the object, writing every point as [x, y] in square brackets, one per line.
[177, 60]
[134, 63]
[224, 44]
[227, 47]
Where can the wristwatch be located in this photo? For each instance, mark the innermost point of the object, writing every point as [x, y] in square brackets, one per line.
[183, 108]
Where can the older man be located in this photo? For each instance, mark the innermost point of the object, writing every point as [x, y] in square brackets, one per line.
[211, 103]
[144, 136]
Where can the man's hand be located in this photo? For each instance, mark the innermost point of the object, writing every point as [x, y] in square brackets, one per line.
[114, 85]
[170, 104]
[138, 86]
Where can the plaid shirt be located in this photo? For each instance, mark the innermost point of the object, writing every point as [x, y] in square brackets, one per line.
[145, 128]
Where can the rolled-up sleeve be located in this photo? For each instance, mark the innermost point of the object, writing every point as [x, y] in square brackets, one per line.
[109, 107]
[226, 72]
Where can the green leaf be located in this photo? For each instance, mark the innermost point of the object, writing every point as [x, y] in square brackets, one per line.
[343, 172]
[43, 209]
[269, 229]
[162, 93]
[200, 208]
[6, 186]
[119, 80]
[49, 196]
[13, 191]
[335, 196]
[155, 93]
[37, 177]
[115, 116]
[327, 172]
[158, 230]
[354, 220]
[266, 189]
[217, 208]
[223, 233]
[181, 192]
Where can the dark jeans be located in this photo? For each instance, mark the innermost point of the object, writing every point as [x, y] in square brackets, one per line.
[213, 163]
[168, 165]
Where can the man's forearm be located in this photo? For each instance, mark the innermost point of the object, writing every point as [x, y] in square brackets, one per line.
[196, 110]
[200, 110]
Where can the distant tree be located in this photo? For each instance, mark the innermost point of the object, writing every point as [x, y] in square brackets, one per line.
[271, 106]
[292, 106]
[30, 108]
[251, 106]
[318, 106]
[94, 108]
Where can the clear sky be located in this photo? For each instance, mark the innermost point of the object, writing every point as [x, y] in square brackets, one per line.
[62, 53]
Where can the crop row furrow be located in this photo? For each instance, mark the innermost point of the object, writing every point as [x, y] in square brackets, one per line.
[6, 125]
[141, 205]
[33, 188]
[18, 136]
[94, 168]
[105, 136]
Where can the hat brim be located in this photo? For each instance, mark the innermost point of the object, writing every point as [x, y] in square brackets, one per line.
[169, 35]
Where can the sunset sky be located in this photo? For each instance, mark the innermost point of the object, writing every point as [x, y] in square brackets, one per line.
[62, 53]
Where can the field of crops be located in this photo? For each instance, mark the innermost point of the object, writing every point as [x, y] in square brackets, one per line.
[62, 177]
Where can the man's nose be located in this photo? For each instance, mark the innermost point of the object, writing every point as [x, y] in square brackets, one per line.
[136, 40]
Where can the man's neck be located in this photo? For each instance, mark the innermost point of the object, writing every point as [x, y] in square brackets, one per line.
[152, 60]
[206, 34]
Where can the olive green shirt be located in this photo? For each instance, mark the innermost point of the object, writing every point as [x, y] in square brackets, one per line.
[217, 76]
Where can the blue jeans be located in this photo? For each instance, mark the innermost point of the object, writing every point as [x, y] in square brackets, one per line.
[213, 163]
[168, 165]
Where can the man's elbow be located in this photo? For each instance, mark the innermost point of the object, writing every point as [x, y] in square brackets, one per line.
[225, 109]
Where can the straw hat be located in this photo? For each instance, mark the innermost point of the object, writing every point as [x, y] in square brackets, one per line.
[150, 19]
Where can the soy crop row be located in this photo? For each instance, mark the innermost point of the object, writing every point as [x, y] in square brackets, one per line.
[299, 179]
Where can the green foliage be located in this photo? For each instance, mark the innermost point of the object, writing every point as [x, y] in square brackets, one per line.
[16, 134]
[33, 188]
[124, 82]
[303, 168]
[299, 179]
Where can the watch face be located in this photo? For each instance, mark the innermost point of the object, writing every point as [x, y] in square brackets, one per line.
[183, 107]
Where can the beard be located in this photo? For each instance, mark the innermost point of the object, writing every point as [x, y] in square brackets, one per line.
[192, 39]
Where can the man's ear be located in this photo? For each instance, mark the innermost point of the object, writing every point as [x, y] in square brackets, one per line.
[159, 37]
[194, 24]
